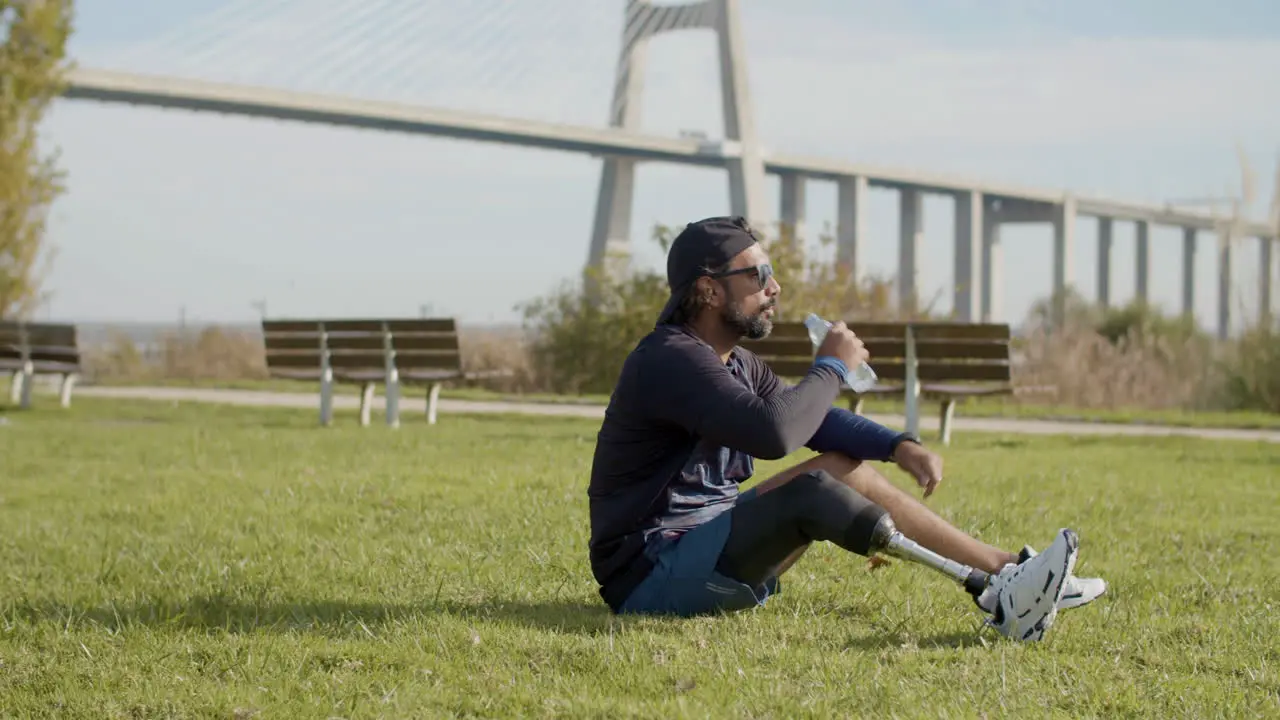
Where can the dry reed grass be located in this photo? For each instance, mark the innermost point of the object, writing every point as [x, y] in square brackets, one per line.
[1077, 366]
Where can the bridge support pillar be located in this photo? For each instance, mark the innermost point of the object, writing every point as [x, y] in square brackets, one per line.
[1224, 285]
[792, 206]
[610, 251]
[967, 299]
[910, 232]
[1105, 226]
[992, 268]
[851, 212]
[746, 169]
[1266, 266]
[1142, 261]
[1064, 237]
[1189, 272]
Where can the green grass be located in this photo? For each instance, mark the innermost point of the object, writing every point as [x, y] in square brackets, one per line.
[973, 407]
[185, 560]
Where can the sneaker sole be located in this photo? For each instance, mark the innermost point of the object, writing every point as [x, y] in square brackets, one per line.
[1037, 631]
[1057, 582]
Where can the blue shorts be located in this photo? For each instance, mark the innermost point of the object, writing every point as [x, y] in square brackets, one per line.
[684, 580]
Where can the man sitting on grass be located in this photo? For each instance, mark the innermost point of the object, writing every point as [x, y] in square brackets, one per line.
[670, 531]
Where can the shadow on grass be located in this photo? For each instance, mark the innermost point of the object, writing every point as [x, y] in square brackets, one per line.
[214, 614]
[235, 615]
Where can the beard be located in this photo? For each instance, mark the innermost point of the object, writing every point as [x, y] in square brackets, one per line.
[754, 327]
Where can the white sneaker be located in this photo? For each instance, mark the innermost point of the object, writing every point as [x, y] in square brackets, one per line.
[1023, 598]
[1077, 591]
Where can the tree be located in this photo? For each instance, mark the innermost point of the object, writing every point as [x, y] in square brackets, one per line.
[33, 38]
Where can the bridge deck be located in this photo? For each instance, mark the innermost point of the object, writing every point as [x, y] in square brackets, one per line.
[181, 93]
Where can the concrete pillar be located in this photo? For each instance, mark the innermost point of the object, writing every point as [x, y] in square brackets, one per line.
[1142, 261]
[746, 171]
[1189, 272]
[1105, 225]
[610, 249]
[851, 212]
[1064, 237]
[1266, 261]
[992, 270]
[1224, 287]
[910, 232]
[792, 206]
[611, 229]
[967, 301]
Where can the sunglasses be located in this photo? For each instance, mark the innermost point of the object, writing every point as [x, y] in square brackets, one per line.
[762, 272]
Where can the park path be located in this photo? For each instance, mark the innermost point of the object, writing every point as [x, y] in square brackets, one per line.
[448, 405]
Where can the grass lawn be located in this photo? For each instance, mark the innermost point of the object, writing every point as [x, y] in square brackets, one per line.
[193, 560]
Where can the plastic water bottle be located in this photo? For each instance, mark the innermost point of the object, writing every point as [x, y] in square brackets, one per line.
[861, 378]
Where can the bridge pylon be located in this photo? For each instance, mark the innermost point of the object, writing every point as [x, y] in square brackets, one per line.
[610, 249]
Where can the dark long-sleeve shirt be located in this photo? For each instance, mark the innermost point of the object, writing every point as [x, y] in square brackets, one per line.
[681, 432]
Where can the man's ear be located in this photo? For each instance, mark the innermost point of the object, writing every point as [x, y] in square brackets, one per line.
[711, 292]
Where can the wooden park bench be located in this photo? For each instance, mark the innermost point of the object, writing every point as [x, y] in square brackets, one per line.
[394, 352]
[28, 350]
[947, 361]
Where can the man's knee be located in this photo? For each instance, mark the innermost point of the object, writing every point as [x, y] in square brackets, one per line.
[819, 494]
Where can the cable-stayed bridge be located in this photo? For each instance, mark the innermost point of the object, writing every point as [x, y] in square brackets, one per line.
[528, 69]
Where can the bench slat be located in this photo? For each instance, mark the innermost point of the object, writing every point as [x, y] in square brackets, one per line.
[422, 325]
[945, 350]
[367, 343]
[55, 335]
[962, 331]
[425, 342]
[290, 326]
[69, 356]
[943, 372]
[291, 342]
[336, 360]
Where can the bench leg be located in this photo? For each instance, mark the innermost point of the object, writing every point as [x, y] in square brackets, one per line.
[24, 393]
[433, 401]
[15, 387]
[366, 403]
[393, 402]
[68, 382]
[326, 400]
[948, 412]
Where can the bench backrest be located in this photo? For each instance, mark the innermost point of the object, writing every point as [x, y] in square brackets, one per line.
[944, 352]
[45, 345]
[361, 345]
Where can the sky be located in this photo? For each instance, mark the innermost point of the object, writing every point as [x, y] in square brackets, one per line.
[174, 214]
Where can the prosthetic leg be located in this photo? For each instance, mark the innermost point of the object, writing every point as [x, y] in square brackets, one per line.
[817, 506]
[883, 537]
[1022, 602]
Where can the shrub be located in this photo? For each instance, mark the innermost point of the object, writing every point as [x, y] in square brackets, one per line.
[1250, 371]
